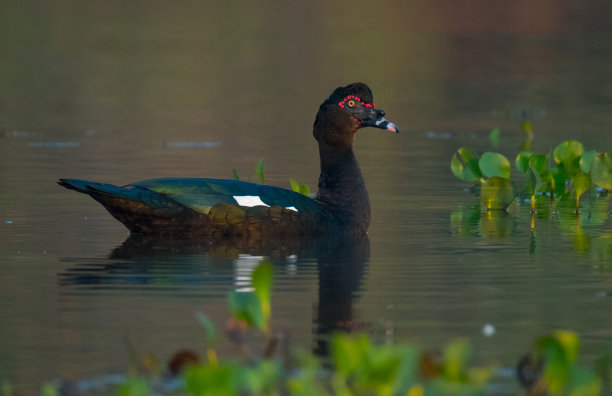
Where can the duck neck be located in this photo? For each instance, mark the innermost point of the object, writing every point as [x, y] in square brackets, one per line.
[342, 189]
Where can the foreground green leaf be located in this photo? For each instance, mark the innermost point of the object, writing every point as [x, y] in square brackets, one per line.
[246, 306]
[456, 356]
[134, 386]
[262, 283]
[213, 380]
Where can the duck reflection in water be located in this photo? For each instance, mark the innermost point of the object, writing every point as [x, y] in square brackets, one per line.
[153, 260]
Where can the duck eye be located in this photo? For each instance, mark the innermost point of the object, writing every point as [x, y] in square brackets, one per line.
[351, 103]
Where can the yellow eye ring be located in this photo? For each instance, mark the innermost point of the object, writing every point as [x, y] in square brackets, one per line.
[351, 103]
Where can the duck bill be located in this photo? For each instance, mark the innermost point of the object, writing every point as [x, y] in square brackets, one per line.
[383, 123]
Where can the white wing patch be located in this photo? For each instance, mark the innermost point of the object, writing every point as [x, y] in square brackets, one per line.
[255, 200]
[249, 200]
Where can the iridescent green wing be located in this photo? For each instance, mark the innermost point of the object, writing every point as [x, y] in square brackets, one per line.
[202, 194]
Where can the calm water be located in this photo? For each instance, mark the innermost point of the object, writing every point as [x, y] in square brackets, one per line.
[119, 93]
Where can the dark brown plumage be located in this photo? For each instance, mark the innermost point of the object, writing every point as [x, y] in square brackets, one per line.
[217, 208]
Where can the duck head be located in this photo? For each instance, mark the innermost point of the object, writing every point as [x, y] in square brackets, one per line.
[346, 111]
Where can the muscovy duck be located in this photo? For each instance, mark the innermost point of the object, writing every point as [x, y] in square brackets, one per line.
[221, 208]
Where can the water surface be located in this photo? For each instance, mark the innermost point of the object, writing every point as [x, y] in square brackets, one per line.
[119, 93]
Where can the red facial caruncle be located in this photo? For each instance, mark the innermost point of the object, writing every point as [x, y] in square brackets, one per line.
[352, 100]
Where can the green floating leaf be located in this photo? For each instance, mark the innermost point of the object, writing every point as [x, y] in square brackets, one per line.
[534, 180]
[494, 137]
[567, 151]
[567, 155]
[540, 164]
[601, 171]
[494, 165]
[260, 170]
[581, 182]
[464, 165]
[587, 160]
[209, 328]
[497, 193]
[262, 283]
[522, 161]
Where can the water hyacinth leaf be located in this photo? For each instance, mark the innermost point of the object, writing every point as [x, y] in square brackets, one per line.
[540, 163]
[494, 164]
[464, 165]
[581, 182]
[262, 283]
[601, 171]
[522, 161]
[567, 155]
[534, 179]
[567, 151]
[586, 160]
[494, 137]
[209, 328]
[260, 170]
[497, 193]
[558, 180]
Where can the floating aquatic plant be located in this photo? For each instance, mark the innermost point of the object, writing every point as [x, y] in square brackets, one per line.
[576, 171]
[497, 191]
